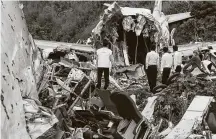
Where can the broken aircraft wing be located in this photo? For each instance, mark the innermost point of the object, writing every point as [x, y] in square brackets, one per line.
[43, 44]
[178, 17]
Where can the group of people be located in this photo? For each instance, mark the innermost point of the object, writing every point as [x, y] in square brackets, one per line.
[173, 63]
[170, 62]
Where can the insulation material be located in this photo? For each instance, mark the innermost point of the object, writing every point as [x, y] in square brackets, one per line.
[20, 62]
[139, 26]
[128, 24]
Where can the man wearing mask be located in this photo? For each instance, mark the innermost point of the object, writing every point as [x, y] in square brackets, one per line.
[166, 65]
[152, 64]
[104, 61]
[177, 59]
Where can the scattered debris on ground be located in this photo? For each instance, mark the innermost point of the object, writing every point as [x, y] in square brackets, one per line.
[69, 106]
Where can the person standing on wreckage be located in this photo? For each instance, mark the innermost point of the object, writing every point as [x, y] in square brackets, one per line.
[177, 59]
[152, 66]
[104, 62]
[166, 65]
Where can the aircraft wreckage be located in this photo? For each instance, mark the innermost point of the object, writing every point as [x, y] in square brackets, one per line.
[46, 95]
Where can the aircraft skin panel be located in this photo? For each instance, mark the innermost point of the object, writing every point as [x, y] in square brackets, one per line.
[44, 44]
[178, 17]
[191, 119]
[157, 11]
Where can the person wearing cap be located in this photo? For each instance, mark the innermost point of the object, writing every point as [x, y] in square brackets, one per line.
[104, 61]
[152, 66]
[177, 59]
[195, 61]
[166, 65]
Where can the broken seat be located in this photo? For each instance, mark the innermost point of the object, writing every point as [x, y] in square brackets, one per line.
[133, 125]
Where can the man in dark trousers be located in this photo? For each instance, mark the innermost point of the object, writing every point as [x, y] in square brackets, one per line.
[177, 59]
[152, 65]
[104, 63]
[166, 65]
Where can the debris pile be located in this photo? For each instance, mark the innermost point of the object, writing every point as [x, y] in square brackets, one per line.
[70, 106]
[130, 31]
[175, 99]
[129, 110]
[67, 93]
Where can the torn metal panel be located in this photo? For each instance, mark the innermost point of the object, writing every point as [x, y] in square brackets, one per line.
[133, 71]
[19, 69]
[149, 108]
[43, 44]
[191, 119]
[132, 11]
[38, 120]
[177, 17]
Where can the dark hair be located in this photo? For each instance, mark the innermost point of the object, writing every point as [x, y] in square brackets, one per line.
[175, 48]
[105, 43]
[210, 47]
[153, 47]
[165, 49]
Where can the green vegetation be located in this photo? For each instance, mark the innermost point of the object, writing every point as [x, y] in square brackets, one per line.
[202, 25]
[70, 21]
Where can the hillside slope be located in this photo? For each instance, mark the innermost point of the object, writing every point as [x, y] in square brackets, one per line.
[70, 21]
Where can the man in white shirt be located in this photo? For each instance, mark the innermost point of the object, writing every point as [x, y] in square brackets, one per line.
[177, 59]
[104, 62]
[207, 63]
[166, 65]
[152, 65]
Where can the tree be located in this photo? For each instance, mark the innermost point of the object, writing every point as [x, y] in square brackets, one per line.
[73, 20]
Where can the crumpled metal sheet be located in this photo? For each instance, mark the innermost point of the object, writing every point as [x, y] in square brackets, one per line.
[38, 120]
[129, 68]
[139, 26]
[76, 74]
[149, 108]
[19, 65]
[108, 14]
[133, 71]
[128, 24]
[192, 118]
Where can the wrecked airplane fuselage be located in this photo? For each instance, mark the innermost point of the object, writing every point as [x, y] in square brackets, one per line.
[49, 98]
